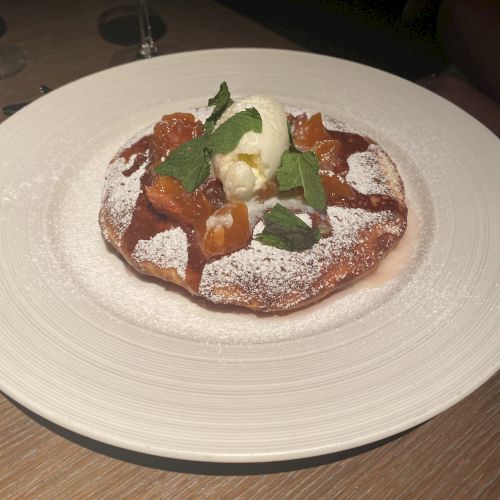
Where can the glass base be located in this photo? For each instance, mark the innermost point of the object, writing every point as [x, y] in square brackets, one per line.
[120, 26]
[129, 54]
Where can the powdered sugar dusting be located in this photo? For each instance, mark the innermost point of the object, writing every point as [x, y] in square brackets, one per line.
[365, 174]
[167, 249]
[224, 220]
[348, 222]
[121, 191]
[268, 271]
[202, 113]
[372, 172]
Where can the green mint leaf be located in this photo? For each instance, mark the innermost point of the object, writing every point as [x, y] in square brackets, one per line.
[189, 163]
[221, 101]
[284, 230]
[272, 240]
[301, 170]
[227, 136]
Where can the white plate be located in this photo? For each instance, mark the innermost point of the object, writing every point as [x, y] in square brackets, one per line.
[95, 348]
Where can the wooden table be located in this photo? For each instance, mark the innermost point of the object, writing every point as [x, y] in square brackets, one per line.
[454, 455]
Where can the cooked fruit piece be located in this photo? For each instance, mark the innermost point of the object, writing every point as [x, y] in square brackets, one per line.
[227, 230]
[327, 152]
[214, 191]
[336, 188]
[308, 131]
[174, 130]
[168, 197]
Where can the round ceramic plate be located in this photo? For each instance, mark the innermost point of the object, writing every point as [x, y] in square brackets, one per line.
[96, 348]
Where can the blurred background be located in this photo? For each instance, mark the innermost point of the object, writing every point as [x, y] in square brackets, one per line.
[449, 46]
[398, 36]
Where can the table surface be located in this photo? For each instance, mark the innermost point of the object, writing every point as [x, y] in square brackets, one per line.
[456, 454]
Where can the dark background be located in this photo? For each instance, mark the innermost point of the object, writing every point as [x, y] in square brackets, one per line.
[448, 46]
[390, 35]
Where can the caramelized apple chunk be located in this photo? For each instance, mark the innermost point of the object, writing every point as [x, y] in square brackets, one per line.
[308, 131]
[336, 188]
[227, 230]
[168, 197]
[327, 152]
[173, 130]
[219, 230]
[214, 191]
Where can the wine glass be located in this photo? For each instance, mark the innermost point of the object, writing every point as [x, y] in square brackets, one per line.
[136, 28]
[147, 47]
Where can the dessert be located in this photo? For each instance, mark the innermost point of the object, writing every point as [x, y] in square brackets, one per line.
[253, 206]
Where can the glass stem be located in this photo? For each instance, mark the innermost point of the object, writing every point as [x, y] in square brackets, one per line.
[147, 47]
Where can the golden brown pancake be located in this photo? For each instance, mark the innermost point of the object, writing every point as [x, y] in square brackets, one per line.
[366, 213]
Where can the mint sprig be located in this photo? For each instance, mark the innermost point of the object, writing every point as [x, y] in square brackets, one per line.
[302, 170]
[188, 163]
[221, 101]
[284, 230]
[227, 136]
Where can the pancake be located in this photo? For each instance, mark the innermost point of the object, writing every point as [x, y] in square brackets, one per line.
[364, 219]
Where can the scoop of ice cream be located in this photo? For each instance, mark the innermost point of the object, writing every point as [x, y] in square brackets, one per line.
[255, 159]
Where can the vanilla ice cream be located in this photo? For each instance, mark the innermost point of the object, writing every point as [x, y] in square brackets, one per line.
[254, 161]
